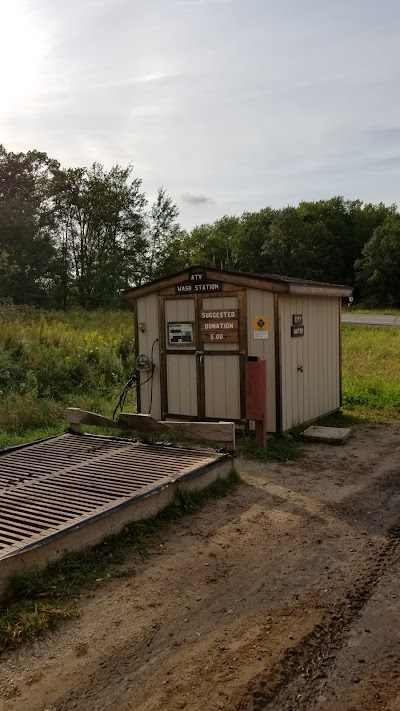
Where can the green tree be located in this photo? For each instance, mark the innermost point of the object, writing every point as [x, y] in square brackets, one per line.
[27, 226]
[163, 235]
[6, 270]
[101, 236]
[251, 235]
[299, 249]
[351, 224]
[214, 245]
[379, 267]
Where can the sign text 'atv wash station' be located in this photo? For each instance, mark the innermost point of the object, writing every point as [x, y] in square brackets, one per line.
[232, 346]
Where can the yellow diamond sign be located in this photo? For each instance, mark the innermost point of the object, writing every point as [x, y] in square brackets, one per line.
[261, 328]
[260, 323]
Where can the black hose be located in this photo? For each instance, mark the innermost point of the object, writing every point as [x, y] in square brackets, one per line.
[152, 380]
[132, 383]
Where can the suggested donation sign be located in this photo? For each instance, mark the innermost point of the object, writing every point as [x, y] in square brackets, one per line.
[220, 326]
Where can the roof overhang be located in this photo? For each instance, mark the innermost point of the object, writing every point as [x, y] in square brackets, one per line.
[274, 283]
[308, 290]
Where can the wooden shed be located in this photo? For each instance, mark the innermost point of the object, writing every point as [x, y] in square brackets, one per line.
[200, 327]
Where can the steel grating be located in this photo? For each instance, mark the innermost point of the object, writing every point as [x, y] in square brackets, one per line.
[49, 486]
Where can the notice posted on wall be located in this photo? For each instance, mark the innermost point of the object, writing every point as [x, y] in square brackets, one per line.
[261, 328]
[180, 333]
[261, 335]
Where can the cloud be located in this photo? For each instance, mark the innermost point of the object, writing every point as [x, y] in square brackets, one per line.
[195, 200]
[198, 3]
[232, 105]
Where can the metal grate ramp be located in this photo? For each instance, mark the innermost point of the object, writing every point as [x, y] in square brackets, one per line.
[50, 486]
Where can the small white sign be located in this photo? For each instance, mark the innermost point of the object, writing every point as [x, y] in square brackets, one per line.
[180, 333]
[261, 335]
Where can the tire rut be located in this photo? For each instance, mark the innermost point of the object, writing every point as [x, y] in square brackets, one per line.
[295, 680]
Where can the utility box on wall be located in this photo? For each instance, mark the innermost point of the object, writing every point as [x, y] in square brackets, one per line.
[201, 326]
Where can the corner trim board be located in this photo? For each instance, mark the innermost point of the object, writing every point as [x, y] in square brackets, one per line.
[278, 370]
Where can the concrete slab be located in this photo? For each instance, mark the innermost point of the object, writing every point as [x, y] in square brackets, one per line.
[329, 435]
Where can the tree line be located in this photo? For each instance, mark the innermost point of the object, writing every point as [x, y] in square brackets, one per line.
[339, 241]
[78, 236]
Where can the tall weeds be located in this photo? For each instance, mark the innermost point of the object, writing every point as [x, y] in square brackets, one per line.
[49, 360]
[371, 370]
[52, 359]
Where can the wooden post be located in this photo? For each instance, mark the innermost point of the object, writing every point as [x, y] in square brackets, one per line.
[221, 434]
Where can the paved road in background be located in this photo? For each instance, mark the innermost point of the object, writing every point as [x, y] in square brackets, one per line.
[370, 320]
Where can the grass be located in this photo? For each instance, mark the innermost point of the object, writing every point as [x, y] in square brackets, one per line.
[278, 449]
[360, 309]
[38, 599]
[12, 439]
[52, 360]
[342, 418]
[371, 372]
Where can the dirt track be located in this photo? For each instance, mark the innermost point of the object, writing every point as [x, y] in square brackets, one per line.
[283, 595]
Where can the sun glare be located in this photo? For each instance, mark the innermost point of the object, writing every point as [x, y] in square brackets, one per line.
[21, 53]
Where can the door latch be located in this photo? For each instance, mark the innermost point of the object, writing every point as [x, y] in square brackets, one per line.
[200, 355]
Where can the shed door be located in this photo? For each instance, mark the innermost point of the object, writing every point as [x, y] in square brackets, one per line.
[180, 358]
[203, 357]
[222, 359]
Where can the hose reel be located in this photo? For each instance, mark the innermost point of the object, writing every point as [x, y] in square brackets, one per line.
[143, 363]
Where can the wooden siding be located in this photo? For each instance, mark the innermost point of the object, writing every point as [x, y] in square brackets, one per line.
[221, 373]
[222, 386]
[304, 395]
[315, 390]
[147, 313]
[181, 368]
[261, 303]
[180, 311]
[220, 303]
[182, 384]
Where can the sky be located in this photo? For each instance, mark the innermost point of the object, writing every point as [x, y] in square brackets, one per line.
[231, 105]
